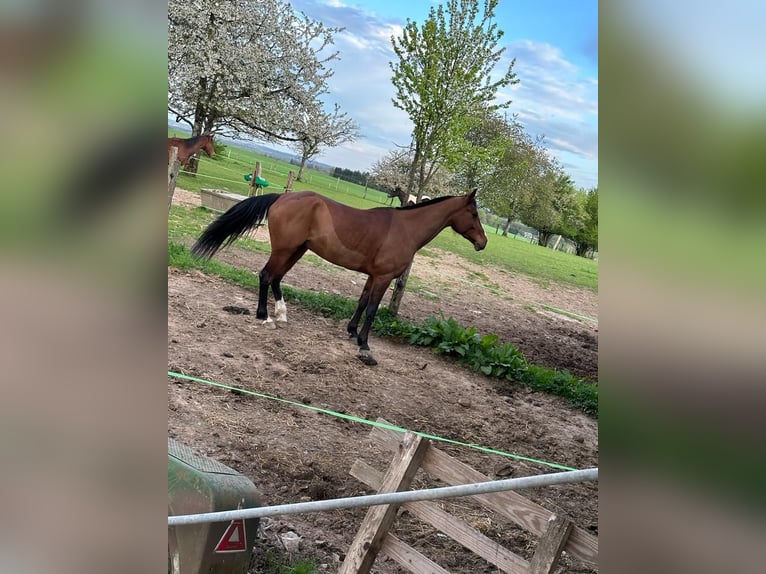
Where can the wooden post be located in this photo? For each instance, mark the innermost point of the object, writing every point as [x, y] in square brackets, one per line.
[173, 166]
[551, 544]
[256, 173]
[378, 520]
[290, 180]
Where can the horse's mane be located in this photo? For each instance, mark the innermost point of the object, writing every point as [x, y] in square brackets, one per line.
[427, 202]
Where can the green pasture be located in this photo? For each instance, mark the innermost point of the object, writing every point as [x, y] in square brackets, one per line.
[508, 253]
[227, 172]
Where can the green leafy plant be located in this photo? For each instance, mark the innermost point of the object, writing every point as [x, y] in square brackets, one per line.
[271, 561]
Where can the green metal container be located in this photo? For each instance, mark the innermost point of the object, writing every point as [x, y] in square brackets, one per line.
[199, 484]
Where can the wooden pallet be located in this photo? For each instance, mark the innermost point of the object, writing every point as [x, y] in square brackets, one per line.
[555, 532]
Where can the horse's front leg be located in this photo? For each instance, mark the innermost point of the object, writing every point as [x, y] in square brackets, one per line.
[377, 290]
[354, 323]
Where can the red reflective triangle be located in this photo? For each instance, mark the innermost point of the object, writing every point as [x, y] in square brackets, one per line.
[233, 540]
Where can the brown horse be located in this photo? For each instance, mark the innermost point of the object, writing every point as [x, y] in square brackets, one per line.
[187, 147]
[380, 242]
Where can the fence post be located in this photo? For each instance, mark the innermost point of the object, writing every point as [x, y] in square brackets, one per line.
[256, 174]
[173, 166]
[290, 179]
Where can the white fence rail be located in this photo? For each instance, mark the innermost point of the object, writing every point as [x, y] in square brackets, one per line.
[551, 479]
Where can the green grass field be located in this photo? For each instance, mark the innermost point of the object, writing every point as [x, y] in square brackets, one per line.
[514, 255]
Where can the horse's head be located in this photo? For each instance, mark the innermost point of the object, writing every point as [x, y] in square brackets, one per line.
[208, 145]
[466, 222]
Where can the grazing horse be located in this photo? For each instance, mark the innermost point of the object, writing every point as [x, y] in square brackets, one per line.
[187, 147]
[379, 242]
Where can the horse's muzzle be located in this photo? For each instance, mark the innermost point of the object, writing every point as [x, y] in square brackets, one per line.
[479, 246]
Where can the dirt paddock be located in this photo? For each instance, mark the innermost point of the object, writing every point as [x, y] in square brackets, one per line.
[294, 454]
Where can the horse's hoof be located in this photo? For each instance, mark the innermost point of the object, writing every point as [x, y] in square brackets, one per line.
[269, 324]
[367, 358]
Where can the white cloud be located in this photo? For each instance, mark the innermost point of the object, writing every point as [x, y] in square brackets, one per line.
[556, 99]
[542, 53]
[355, 41]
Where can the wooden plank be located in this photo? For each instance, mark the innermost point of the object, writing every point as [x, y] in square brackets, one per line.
[378, 520]
[453, 527]
[439, 464]
[549, 547]
[409, 558]
[510, 504]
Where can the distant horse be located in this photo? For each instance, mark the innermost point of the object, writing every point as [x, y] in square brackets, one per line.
[391, 194]
[187, 147]
[379, 242]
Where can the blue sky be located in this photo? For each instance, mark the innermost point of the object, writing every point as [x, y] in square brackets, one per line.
[555, 43]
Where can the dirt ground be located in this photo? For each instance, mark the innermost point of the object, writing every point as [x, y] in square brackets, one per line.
[294, 454]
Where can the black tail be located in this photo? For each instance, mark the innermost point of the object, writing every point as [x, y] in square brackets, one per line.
[233, 224]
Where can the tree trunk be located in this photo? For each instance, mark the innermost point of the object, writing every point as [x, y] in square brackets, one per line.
[543, 237]
[506, 227]
[398, 294]
[411, 175]
[421, 179]
[199, 117]
[401, 281]
[299, 177]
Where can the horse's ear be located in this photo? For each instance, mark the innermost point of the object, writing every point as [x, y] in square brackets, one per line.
[472, 195]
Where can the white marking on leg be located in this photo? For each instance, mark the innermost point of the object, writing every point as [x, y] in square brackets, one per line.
[269, 323]
[281, 311]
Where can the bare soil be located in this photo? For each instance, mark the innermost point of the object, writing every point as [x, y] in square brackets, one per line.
[294, 454]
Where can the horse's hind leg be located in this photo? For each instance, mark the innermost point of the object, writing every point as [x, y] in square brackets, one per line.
[280, 309]
[264, 280]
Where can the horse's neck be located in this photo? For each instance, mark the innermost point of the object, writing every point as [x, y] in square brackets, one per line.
[427, 222]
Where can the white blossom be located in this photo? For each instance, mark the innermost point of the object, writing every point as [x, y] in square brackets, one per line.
[245, 66]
